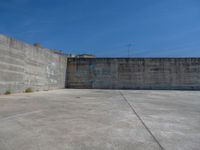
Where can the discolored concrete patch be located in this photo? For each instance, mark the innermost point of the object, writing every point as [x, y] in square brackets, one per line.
[100, 119]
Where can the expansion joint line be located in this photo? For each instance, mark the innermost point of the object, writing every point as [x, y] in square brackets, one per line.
[132, 108]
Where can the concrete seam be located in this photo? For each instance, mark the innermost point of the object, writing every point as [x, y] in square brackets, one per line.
[132, 108]
[20, 115]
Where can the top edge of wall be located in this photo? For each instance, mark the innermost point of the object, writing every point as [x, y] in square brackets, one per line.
[4, 39]
[139, 58]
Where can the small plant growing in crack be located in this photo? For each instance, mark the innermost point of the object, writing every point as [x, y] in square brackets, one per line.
[28, 90]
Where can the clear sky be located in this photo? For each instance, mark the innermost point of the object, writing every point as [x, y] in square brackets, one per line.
[153, 28]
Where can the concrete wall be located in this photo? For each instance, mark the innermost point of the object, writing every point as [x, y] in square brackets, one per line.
[23, 66]
[134, 73]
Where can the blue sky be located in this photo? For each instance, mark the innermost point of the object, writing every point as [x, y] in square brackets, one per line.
[154, 28]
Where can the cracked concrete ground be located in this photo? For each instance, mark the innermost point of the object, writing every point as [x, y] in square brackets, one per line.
[100, 119]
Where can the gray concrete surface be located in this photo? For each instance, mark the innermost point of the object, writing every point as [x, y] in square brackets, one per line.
[100, 119]
[134, 73]
[24, 66]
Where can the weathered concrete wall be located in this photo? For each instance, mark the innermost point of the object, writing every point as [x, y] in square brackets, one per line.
[134, 73]
[23, 66]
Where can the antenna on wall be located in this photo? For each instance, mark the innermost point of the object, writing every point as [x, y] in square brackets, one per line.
[129, 48]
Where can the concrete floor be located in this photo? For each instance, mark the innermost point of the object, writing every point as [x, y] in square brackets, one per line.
[100, 119]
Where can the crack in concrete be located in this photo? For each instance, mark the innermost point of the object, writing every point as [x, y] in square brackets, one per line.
[145, 126]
